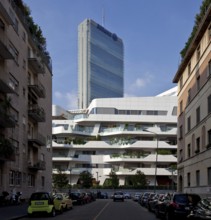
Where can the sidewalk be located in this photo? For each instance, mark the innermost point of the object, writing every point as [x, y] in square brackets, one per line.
[13, 212]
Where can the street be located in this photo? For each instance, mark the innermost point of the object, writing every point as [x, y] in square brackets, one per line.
[104, 210]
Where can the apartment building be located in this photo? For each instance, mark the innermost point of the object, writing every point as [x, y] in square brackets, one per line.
[194, 112]
[100, 63]
[25, 104]
[124, 135]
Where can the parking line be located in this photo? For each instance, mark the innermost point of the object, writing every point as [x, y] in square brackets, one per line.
[95, 218]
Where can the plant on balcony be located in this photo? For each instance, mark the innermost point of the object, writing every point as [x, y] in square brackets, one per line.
[198, 18]
[6, 148]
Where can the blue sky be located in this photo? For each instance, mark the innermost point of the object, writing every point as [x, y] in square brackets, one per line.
[153, 32]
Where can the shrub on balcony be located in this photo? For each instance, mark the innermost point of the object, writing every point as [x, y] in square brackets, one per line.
[6, 148]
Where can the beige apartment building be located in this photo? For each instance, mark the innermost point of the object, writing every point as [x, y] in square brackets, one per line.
[25, 104]
[194, 112]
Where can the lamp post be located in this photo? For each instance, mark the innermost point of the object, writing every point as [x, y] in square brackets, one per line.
[97, 175]
[156, 156]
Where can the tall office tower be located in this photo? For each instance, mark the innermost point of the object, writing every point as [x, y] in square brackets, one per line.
[100, 63]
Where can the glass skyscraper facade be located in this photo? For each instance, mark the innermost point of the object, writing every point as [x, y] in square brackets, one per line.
[100, 63]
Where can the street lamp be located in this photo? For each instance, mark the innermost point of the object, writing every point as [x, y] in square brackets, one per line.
[156, 157]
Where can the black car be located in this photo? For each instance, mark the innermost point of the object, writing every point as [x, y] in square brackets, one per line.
[177, 206]
[77, 198]
[143, 200]
[202, 210]
[118, 196]
[154, 201]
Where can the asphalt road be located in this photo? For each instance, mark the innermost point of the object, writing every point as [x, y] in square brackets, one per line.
[104, 210]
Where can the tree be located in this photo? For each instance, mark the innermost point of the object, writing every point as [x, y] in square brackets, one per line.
[114, 179]
[139, 179]
[60, 180]
[85, 179]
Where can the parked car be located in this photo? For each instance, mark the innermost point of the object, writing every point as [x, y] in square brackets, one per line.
[149, 198]
[179, 205]
[103, 195]
[43, 202]
[153, 202]
[137, 196]
[118, 196]
[161, 205]
[202, 210]
[143, 200]
[77, 198]
[127, 195]
[66, 201]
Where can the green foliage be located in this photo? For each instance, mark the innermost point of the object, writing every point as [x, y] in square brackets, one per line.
[198, 18]
[164, 151]
[138, 180]
[114, 181]
[60, 180]
[85, 179]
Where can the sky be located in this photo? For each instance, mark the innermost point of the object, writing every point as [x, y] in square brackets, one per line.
[153, 32]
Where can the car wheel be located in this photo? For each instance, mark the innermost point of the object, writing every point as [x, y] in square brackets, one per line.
[169, 216]
[157, 214]
[61, 210]
[53, 212]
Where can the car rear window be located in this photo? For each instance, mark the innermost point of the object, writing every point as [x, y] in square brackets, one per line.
[39, 196]
[183, 199]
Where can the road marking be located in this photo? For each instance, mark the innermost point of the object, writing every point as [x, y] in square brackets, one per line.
[95, 218]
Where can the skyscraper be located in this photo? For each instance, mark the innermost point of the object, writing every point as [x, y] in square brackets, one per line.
[100, 63]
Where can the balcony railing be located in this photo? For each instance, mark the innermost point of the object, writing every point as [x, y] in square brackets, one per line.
[35, 63]
[5, 87]
[38, 89]
[37, 113]
[6, 120]
[4, 52]
[38, 139]
[39, 165]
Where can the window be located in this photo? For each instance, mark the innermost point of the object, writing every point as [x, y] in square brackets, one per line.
[18, 178]
[197, 178]
[198, 115]
[198, 83]
[181, 107]
[181, 82]
[12, 178]
[14, 19]
[209, 175]
[189, 151]
[181, 132]
[198, 53]
[189, 69]
[31, 180]
[189, 123]
[13, 83]
[209, 104]
[189, 95]
[209, 69]
[197, 145]
[209, 139]
[14, 52]
[42, 181]
[188, 179]
[174, 112]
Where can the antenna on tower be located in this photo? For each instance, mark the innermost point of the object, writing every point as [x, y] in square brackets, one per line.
[103, 17]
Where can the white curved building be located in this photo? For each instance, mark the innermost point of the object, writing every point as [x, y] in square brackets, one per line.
[119, 134]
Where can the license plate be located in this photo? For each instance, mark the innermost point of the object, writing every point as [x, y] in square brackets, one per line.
[39, 203]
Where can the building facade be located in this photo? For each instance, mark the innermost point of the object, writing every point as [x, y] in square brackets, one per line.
[100, 63]
[124, 135]
[194, 112]
[25, 105]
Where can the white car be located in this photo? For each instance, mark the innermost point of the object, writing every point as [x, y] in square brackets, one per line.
[118, 196]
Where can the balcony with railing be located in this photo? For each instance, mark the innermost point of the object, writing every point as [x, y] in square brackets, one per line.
[37, 139]
[5, 87]
[35, 63]
[38, 165]
[6, 120]
[36, 113]
[5, 52]
[7, 150]
[38, 89]
[5, 15]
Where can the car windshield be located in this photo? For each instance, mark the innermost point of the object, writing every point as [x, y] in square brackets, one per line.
[39, 196]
